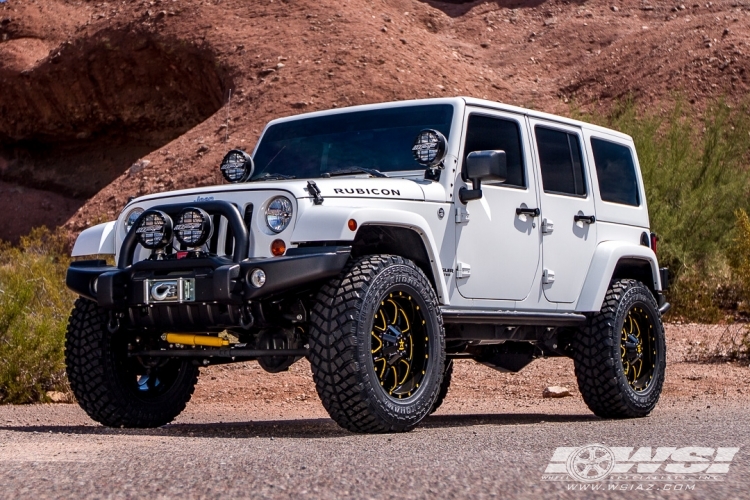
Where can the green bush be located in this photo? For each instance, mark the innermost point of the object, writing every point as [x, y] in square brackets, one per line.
[34, 308]
[696, 175]
[739, 258]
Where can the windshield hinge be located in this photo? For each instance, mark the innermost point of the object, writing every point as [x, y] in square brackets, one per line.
[314, 191]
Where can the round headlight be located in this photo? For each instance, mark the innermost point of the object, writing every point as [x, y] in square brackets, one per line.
[237, 166]
[154, 230]
[131, 218]
[429, 147]
[193, 227]
[279, 214]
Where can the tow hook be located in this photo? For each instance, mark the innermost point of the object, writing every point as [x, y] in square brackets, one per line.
[114, 322]
[246, 319]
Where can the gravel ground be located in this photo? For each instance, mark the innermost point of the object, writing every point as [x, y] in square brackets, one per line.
[247, 433]
[56, 452]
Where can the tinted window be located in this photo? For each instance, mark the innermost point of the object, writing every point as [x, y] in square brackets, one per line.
[616, 172]
[485, 133]
[381, 139]
[560, 161]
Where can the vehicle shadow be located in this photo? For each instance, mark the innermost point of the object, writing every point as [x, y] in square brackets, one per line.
[297, 429]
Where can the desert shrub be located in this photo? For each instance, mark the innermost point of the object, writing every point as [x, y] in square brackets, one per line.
[739, 258]
[732, 344]
[696, 175]
[34, 307]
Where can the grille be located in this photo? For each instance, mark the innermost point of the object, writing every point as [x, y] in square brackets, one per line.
[222, 241]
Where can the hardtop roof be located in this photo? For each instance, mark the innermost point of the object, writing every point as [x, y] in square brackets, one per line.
[469, 101]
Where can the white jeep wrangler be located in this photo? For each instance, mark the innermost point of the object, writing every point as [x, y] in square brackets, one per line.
[381, 242]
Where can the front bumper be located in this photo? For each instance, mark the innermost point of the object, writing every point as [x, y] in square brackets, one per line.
[216, 280]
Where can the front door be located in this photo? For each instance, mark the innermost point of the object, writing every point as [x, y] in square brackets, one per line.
[498, 250]
[568, 220]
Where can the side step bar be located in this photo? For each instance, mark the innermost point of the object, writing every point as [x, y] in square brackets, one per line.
[511, 318]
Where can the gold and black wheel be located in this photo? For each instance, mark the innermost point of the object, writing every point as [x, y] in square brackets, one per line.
[377, 346]
[400, 346]
[620, 356]
[638, 347]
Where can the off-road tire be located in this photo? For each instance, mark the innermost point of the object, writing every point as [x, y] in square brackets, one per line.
[342, 321]
[444, 386]
[95, 375]
[597, 354]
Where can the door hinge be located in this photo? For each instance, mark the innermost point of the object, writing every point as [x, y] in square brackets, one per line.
[547, 226]
[462, 214]
[463, 270]
[548, 277]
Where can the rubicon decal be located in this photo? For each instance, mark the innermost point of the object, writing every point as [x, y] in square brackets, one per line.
[374, 191]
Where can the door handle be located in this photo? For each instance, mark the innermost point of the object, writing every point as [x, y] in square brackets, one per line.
[588, 219]
[534, 212]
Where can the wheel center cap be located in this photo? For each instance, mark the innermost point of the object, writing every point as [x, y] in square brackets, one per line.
[633, 348]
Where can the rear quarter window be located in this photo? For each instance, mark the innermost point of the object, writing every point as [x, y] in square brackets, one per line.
[615, 170]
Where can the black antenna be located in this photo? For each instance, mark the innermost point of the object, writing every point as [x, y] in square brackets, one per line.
[229, 104]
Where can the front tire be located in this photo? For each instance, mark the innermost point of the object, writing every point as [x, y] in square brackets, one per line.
[620, 356]
[377, 345]
[117, 390]
[444, 386]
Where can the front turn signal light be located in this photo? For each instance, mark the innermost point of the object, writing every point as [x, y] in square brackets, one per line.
[278, 248]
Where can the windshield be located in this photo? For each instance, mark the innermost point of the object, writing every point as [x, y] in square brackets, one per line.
[378, 139]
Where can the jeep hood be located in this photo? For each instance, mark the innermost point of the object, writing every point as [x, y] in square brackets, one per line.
[338, 187]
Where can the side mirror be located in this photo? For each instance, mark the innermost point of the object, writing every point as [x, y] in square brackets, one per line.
[483, 166]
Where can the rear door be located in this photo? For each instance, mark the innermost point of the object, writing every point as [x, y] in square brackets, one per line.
[568, 219]
[499, 247]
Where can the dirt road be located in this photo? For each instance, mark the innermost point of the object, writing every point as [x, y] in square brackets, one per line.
[55, 452]
[251, 434]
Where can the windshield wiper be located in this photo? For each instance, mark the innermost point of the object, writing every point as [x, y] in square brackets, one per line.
[274, 177]
[355, 170]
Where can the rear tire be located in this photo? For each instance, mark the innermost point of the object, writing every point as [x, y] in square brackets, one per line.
[377, 345]
[620, 356]
[115, 390]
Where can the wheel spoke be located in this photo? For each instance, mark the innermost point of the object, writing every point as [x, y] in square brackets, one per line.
[380, 343]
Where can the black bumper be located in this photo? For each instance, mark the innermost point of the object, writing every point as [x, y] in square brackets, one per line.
[216, 280]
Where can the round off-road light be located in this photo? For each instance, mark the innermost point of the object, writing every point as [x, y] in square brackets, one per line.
[278, 248]
[194, 227]
[279, 214]
[257, 278]
[429, 147]
[131, 218]
[237, 166]
[155, 229]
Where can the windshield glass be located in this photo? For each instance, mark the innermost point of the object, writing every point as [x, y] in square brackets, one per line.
[378, 139]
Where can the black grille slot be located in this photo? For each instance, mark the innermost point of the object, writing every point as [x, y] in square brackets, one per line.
[248, 217]
[213, 244]
[229, 241]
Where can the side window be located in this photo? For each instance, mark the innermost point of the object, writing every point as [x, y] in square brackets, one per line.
[560, 161]
[616, 172]
[487, 133]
